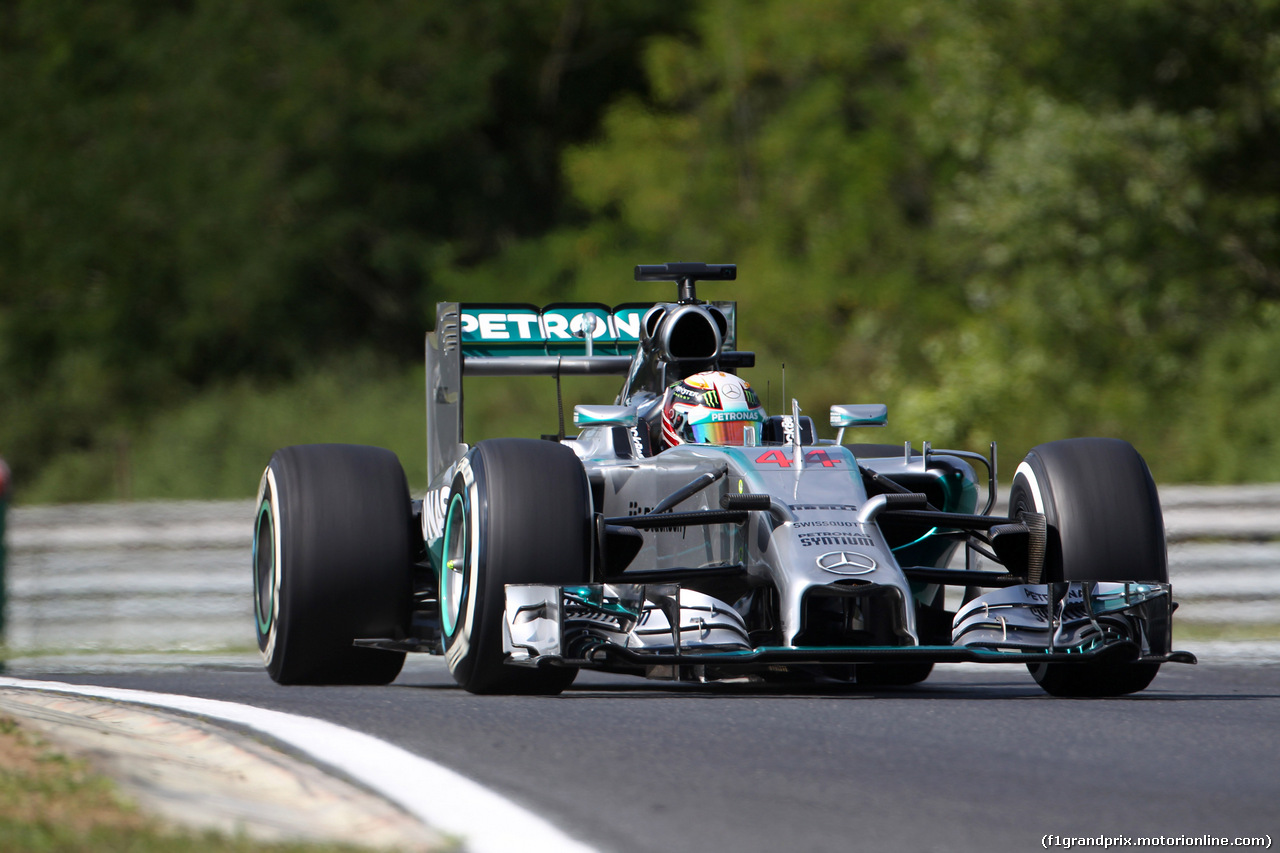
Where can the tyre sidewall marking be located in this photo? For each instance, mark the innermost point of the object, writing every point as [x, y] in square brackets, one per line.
[448, 618]
[459, 643]
[267, 490]
[264, 622]
[1033, 484]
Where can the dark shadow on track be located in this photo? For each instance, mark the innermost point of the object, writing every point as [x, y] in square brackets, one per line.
[943, 691]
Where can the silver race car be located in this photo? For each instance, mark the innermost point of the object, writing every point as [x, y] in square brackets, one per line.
[685, 533]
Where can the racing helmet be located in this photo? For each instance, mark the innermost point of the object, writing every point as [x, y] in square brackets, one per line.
[711, 408]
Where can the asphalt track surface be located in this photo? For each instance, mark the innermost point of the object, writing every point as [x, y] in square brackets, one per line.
[977, 758]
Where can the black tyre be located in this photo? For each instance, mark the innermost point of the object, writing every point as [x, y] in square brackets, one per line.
[332, 556]
[519, 511]
[1093, 680]
[1105, 524]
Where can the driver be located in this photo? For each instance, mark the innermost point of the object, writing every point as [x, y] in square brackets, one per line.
[711, 408]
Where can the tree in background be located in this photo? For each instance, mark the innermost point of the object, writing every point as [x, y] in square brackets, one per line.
[200, 191]
[1008, 220]
[1121, 239]
[1012, 220]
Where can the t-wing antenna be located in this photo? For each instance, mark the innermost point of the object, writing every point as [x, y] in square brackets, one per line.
[686, 275]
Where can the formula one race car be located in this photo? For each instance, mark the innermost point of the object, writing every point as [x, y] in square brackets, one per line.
[684, 533]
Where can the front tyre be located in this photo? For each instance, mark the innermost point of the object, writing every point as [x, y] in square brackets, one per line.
[1093, 680]
[519, 512]
[332, 556]
[1105, 524]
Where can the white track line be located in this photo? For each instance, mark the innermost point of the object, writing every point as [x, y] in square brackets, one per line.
[443, 799]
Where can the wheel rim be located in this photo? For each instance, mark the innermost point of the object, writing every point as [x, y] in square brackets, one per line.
[453, 565]
[264, 568]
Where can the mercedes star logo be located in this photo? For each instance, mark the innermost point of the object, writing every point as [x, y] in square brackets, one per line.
[846, 563]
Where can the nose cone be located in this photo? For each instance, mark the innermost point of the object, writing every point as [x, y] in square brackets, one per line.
[832, 555]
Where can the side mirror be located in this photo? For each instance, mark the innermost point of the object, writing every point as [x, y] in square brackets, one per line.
[602, 416]
[866, 415]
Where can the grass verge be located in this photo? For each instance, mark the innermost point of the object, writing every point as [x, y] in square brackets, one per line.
[1233, 631]
[49, 802]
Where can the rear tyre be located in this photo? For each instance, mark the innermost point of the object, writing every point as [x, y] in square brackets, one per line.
[332, 556]
[1105, 524]
[519, 511]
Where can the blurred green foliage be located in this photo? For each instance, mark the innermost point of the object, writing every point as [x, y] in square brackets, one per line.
[223, 226]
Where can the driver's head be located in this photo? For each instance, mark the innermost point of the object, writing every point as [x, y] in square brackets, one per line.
[711, 408]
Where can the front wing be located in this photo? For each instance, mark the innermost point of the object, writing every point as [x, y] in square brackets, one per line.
[663, 625]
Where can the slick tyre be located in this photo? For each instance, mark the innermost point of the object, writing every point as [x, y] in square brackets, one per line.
[1093, 680]
[332, 556]
[1105, 524]
[519, 511]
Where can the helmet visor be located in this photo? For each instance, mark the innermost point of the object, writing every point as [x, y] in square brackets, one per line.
[739, 433]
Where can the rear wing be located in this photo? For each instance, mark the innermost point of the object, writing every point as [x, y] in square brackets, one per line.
[516, 339]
